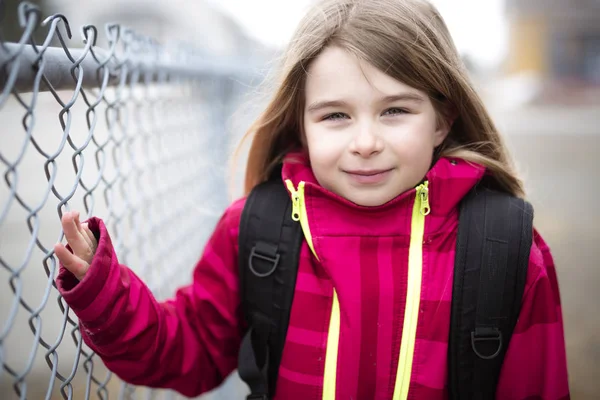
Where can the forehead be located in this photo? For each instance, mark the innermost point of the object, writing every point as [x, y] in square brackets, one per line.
[337, 73]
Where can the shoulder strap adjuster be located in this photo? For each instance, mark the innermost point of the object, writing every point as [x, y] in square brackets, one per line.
[267, 253]
[269, 243]
[485, 335]
[495, 232]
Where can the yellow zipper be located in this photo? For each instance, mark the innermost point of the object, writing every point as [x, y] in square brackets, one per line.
[331, 355]
[421, 209]
[299, 211]
[333, 336]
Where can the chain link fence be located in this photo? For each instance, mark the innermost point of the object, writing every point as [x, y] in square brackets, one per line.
[134, 133]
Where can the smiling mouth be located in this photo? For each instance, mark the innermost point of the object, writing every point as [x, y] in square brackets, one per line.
[369, 176]
[368, 172]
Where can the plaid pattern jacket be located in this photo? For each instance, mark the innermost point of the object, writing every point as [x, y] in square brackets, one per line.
[371, 311]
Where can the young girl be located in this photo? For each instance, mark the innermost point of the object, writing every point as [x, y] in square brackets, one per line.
[374, 116]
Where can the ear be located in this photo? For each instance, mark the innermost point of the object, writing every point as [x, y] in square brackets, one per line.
[442, 132]
[444, 126]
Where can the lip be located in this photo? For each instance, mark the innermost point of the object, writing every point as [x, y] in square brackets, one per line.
[369, 176]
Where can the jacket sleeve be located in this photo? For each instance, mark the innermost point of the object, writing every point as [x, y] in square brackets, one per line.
[188, 343]
[535, 366]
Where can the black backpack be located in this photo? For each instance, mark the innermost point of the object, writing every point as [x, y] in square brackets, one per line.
[492, 254]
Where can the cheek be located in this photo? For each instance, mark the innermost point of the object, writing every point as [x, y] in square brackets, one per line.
[412, 143]
[414, 146]
[324, 152]
[324, 147]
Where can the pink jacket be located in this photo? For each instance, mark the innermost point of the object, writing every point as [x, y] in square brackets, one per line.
[371, 311]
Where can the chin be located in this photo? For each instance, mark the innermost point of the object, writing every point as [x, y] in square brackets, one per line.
[370, 200]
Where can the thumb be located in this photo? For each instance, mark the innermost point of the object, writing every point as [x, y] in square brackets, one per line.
[70, 261]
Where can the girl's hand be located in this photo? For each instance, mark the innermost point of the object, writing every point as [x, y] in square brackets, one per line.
[81, 240]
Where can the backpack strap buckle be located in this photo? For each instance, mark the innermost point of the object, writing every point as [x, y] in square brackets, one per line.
[263, 253]
[485, 335]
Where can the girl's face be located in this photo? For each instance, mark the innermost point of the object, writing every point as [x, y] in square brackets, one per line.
[369, 136]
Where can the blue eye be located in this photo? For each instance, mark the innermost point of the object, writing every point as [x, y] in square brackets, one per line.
[395, 111]
[334, 116]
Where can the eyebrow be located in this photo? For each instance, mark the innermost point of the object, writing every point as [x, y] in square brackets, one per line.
[319, 105]
[414, 97]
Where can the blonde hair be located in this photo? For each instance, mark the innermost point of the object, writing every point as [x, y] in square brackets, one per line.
[409, 41]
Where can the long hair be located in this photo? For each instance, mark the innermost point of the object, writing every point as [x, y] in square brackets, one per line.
[409, 41]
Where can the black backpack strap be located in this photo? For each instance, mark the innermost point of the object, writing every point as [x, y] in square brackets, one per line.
[492, 256]
[269, 249]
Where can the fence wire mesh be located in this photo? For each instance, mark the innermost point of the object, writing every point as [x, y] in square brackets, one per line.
[133, 133]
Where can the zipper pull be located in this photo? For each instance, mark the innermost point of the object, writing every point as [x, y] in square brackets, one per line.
[295, 200]
[424, 194]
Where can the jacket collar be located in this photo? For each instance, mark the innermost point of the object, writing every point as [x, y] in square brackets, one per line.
[449, 181]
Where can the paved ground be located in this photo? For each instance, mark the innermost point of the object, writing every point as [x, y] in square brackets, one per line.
[564, 185]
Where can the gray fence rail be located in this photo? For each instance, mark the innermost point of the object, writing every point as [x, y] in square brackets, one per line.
[134, 133]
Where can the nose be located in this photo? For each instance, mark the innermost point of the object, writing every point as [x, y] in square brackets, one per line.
[366, 142]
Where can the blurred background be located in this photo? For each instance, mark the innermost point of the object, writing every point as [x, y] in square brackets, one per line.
[535, 62]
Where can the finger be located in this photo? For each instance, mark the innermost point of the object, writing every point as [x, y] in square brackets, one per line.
[80, 226]
[70, 261]
[74, 238]
[90, 235]
[83, 231]
[68, 225]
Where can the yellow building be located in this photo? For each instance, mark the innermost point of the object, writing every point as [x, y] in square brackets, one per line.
[559, 39]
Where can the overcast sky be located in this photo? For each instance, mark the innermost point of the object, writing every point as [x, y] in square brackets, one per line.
[478, 26]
